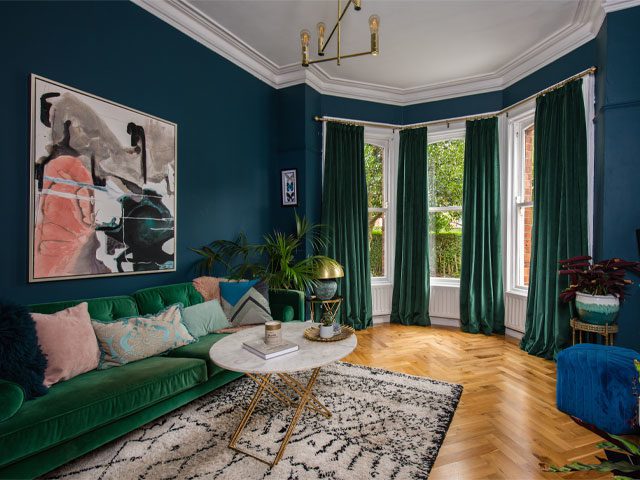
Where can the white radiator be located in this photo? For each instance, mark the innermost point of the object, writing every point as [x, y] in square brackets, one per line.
[515, 311]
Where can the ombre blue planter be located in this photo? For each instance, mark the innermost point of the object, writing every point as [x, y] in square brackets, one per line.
[597, 309]
[326, 289]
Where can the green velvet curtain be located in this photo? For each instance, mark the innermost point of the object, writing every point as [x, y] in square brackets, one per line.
[481, 291]
[345, 214]
[559, 214]
[410, 302]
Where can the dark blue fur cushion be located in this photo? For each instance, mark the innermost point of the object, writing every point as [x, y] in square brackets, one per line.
[21, 359]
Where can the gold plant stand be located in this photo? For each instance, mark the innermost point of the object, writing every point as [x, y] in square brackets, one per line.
[329, 307]
[607, 331]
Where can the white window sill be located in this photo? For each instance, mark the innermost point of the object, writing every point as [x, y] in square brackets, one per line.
[380, 282]
[444, 282]
[521, 292]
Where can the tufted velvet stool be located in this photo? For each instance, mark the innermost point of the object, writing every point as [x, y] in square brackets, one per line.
[596, 384]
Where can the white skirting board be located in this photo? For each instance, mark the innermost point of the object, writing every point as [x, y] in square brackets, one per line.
[444, 307]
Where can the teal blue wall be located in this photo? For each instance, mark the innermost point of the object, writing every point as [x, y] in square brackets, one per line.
[618, 153]
[226, 133]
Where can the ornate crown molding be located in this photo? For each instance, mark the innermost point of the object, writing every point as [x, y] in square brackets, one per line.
[205, 30]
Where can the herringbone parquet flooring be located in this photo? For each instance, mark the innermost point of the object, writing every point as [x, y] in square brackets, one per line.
[506, 423]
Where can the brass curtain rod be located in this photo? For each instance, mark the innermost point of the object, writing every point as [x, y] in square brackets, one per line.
[553, 87]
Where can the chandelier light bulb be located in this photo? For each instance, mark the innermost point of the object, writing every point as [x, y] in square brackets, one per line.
[305, 38]
[357, 4]
[321, 30]
[374, 23]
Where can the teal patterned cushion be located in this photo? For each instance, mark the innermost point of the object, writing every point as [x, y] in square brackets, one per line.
[134, 338]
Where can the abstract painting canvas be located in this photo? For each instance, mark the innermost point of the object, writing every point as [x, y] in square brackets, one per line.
[103, 187]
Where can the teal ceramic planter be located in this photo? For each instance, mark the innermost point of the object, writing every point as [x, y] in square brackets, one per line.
[597, 309]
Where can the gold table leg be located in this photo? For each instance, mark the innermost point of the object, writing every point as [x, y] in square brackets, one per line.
[303, 403]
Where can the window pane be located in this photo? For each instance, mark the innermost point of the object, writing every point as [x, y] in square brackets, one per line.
[445, 244]
[525, 223]
[377, 243]
[528, 165]
[446, 169]
[374, 171]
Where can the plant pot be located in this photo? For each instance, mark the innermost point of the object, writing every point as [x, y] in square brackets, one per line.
[597, 309]
[326, 331]
[326, 289]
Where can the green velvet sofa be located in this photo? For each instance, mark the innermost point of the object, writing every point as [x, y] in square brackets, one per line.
[83, 413]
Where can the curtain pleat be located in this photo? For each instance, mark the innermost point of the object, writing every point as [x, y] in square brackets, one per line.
[481, 289]
[410, 302]
[560, 228]
[345, 214]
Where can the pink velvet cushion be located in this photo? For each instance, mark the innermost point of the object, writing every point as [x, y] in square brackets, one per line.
[69, 342]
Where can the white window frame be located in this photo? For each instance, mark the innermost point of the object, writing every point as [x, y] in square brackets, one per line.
[517, 122]
[386, 139]
[439, 133]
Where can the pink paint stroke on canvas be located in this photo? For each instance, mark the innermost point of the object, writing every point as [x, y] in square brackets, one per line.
[64, 228]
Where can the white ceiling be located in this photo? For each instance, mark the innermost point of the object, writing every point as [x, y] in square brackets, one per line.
[422, 42]
[429, 49]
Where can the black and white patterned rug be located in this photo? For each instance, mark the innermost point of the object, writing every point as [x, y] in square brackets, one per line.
[385, 425]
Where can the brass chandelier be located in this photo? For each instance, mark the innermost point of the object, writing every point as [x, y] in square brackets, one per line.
[305, 37]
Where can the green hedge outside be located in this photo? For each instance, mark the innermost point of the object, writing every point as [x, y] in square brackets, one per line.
[376, 252]
[448, 254]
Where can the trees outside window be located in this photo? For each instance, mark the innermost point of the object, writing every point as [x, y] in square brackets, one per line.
[375, 175]
[445, 160]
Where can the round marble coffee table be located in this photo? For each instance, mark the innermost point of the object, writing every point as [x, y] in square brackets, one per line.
[229, 353]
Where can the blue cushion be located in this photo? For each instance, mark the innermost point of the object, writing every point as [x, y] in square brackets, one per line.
[596, 384]
[231, 292]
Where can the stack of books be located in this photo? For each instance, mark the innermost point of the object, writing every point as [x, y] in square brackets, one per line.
[264, 351]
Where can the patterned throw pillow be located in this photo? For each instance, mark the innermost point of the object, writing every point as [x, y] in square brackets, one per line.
[134, 338]
[246, 303]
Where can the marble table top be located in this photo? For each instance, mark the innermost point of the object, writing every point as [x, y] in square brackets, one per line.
[229, 353]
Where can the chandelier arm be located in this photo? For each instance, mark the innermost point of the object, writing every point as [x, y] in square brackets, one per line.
[351, 55]
[326, 42]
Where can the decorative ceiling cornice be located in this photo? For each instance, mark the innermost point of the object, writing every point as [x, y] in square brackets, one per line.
[192, 22]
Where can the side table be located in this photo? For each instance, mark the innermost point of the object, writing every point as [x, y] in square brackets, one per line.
[607, 331]
[329, 308]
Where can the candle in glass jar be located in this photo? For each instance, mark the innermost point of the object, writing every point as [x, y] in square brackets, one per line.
[273, 332]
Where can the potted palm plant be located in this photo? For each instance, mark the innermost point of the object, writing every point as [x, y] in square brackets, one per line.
[279, 260]
[598, 288]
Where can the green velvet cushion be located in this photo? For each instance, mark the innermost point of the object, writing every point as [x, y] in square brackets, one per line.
[104, 309]
[93, 399]
[200, 349]
[11, 398]
[152, 300]
[279, 300]
[287, 313]
[204, 318]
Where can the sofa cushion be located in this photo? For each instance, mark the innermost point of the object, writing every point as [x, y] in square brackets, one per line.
[152, 300]
[135, 338]
[200, 350]
[105, 309]
[93, 399]
[69, 342]
[204, 318]
[11, 399]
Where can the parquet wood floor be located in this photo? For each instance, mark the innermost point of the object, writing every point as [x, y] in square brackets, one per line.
[506, 422]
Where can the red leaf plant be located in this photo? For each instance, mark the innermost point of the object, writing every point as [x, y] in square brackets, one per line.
[606, 277]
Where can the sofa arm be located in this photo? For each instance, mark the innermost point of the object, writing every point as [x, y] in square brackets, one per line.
[279, 300]
[11, 398]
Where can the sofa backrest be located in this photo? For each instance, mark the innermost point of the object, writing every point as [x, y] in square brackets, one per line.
[105, 309]
[152, 300]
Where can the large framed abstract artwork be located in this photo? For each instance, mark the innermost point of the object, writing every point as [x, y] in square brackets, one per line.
[103, 187]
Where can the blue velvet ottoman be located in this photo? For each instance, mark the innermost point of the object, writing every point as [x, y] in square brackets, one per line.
[596, 384]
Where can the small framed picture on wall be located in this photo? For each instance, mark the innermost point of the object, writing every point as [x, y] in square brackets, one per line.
[289, 179]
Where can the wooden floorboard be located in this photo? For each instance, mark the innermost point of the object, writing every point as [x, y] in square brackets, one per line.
[506, 423]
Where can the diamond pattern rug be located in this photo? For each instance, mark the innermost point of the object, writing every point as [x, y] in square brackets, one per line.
[385, 425]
